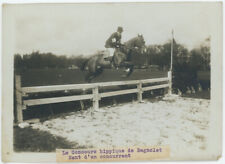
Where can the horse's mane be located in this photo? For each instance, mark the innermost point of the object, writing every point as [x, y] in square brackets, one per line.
[131, 42]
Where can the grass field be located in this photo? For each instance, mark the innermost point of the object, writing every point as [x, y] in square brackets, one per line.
[203, 75]
[40, 77]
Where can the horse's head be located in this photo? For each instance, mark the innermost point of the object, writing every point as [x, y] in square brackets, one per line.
[140, 43]
[137, 44]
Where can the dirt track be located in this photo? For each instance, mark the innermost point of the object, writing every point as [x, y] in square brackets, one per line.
[181, 123]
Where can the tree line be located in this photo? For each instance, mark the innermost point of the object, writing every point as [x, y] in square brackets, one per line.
[37, 60]
[198, 58]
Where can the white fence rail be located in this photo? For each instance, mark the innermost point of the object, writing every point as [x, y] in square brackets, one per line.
[95, 96]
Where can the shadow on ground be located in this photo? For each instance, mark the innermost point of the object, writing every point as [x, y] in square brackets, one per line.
[30, 140]
[198, 95]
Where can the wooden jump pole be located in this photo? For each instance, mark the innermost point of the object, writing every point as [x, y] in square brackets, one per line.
[139, 86]
[19, 105]
[95, 98]
[81, 102]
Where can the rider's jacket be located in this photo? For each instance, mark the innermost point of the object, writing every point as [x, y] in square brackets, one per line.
[114, 40]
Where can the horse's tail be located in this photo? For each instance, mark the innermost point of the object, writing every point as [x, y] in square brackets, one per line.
[83, 65]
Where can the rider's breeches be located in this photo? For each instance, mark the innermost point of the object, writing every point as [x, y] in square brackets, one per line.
[111, 51]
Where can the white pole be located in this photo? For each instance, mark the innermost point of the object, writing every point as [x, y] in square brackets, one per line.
[170, 75]
[171, 60]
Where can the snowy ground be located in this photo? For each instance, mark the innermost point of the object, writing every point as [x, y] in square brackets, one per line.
[181, 123]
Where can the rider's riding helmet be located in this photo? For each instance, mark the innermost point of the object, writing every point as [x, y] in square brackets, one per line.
[120, 29]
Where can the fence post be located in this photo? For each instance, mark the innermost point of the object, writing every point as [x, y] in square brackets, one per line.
[81, 102]
[139, 86]
[95, 98]
[170, 82]
[19, 105]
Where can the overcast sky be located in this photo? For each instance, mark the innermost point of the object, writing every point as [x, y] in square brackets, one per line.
[73, 29]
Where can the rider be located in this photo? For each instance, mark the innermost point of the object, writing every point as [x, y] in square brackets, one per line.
[114, 41]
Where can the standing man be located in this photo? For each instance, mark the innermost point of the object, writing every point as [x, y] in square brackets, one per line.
[114, 41]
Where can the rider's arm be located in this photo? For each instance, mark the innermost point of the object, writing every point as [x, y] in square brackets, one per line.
[113, 37]
[118, 38]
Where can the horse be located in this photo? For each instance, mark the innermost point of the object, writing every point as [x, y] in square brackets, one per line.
[95, 65]
[121, 58]
[122, 55]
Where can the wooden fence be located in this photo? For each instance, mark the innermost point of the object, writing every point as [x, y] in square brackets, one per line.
[95, 96]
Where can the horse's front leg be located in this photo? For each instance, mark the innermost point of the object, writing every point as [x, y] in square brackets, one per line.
[130, 67]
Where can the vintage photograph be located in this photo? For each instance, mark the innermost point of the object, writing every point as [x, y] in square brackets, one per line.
[113, 75]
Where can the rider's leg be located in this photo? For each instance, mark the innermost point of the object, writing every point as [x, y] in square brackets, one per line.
[111, 53]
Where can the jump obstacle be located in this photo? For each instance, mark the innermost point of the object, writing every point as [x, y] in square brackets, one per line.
[95, 96]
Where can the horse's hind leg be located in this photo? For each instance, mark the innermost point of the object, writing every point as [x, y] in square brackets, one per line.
[88, 77]
[99, 71]
[93, 75]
